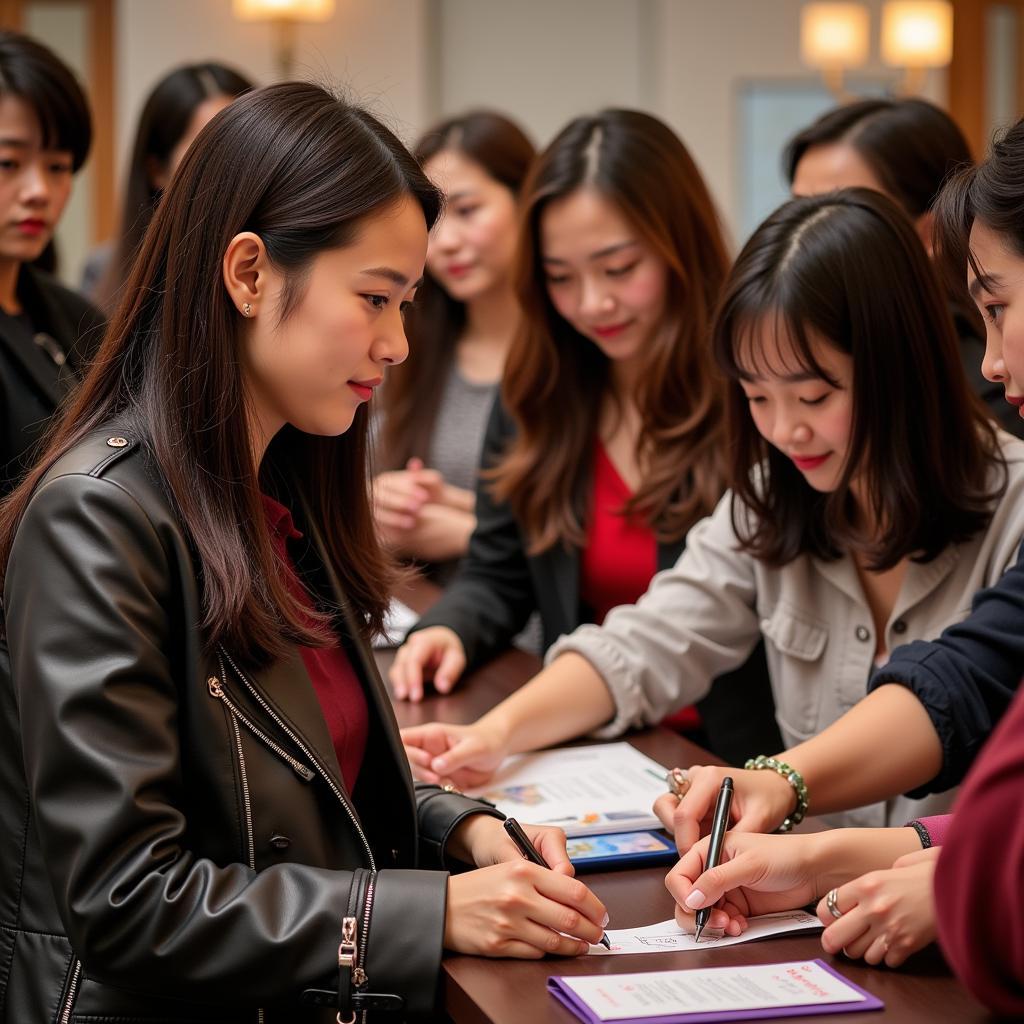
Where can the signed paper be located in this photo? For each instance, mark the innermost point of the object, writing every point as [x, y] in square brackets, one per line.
[667, 936]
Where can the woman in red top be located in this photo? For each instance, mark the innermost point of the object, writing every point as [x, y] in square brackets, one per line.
[607, 443]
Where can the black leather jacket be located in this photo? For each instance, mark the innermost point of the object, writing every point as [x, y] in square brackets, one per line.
[178, 842]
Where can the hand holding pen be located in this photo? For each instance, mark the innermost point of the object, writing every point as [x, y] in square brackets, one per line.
[718, 829]
[529, 851]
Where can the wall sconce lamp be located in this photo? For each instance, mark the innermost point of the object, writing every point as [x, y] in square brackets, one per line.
[834, 37]
[917, 35]
[285, 15]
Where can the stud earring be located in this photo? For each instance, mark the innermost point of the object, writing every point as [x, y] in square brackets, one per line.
[246, 309]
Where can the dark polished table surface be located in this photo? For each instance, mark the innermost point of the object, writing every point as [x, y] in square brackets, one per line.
[479, 990]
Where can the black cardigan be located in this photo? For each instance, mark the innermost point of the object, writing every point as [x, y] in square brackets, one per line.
[499, 585]
[36, 376]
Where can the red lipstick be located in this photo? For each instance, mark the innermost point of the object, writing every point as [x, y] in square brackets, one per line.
[1017, 400]
[805, 463]
[31, 226]
[364, 388]
[611, 331]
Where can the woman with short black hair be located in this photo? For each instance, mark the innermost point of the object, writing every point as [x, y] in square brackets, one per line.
[46, 331]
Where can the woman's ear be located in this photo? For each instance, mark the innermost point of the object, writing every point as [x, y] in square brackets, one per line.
[244, 268]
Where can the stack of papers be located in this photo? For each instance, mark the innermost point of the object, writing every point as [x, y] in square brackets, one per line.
[754, 992]
[608, 787]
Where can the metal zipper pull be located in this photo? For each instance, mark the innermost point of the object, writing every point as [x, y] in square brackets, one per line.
[213, 684]
[348, 951]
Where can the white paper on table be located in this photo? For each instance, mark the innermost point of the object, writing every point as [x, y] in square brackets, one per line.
[668, 937]
[606, 787]
[714, 989]
[398, 620]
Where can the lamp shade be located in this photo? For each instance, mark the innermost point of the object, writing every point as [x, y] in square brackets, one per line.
[286, 10]
[917, 33]
[834, 35]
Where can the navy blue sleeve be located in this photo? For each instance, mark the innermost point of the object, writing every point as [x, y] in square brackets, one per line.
[967, 677]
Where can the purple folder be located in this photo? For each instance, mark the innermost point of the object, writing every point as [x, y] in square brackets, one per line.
[568, 998]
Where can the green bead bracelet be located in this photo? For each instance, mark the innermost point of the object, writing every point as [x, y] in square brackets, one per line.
[794, 778]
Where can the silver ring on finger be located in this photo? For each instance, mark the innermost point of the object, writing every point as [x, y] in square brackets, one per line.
[678, 782]
[830, 902]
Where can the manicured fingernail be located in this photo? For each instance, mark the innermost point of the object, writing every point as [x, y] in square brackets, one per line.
[695, 900]
[604, 923]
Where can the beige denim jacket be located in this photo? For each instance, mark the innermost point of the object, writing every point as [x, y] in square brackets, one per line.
[704, 616]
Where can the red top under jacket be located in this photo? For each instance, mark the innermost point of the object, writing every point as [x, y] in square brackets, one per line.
[620, 557]
[337, 686]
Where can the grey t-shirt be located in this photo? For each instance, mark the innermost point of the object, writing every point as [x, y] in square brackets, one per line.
[458, 436]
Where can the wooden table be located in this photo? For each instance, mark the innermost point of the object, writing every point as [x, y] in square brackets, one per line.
[480, 991]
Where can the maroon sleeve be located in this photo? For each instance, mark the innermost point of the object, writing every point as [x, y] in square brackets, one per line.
[979, 880]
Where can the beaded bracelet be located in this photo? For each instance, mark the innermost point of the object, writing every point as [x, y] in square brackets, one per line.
[794, 778]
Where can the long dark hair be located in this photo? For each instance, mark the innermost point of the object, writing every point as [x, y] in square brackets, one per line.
[165, 118]
[302, 170]
[413, 392]
[848, 268]
[992, 192]
[35, 74]
[911, 146]
[555, 379]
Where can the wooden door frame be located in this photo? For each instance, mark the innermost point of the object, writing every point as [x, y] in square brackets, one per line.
[100, 91]
[967, 93]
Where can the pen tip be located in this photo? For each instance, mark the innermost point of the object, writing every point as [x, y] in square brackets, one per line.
[696, 937]
[605, 942]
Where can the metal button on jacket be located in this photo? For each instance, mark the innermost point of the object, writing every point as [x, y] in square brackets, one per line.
[899, 626]
[117, 442]
[863, 633]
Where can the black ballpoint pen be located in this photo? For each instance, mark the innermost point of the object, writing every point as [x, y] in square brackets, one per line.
[529, 851]
[718, 826]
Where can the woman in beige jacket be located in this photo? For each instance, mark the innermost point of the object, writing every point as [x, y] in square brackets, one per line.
[871, 499]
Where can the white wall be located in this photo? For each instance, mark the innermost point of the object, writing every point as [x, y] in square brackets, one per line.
[542, 61]
[374, 47]
[709, 50]
[545, 61]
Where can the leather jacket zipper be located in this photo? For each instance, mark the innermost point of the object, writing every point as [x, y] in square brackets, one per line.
[247, 803]
[214, 685]
[354, 937]
[69, 1003]
[321, 771]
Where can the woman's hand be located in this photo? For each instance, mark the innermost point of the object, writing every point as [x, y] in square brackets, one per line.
[481, 840]
[399, 496]
[757, 874]
[761, 800]
[433, 653]
[519, 909]
[461, 755]
[886, 915]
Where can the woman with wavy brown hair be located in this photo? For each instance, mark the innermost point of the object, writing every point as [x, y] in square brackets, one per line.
[608, 442]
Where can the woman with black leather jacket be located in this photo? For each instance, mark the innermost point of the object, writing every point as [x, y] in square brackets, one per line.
[207, 811]
[46, 331]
